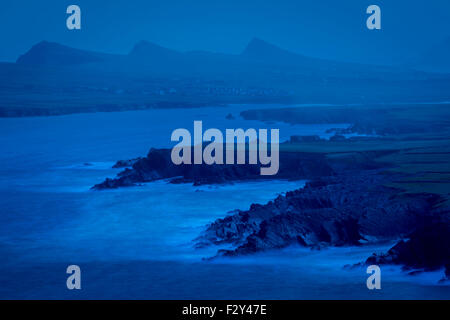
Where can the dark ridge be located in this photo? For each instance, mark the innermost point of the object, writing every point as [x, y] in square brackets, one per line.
[263, 51]
[149, 50]
[331, 211]
[158, 165]
[427, 248]
[51, 53]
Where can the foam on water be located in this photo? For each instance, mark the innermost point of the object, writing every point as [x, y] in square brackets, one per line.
[142, 236]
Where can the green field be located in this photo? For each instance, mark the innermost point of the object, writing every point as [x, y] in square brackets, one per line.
[422, 159]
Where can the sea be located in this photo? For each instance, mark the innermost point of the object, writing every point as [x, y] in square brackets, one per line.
[138, 242]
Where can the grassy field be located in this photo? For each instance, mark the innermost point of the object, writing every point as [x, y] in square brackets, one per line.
[427, 169]
[423, 159]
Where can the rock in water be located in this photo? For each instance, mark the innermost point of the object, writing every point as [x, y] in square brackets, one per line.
[427, 248]
[332, 211]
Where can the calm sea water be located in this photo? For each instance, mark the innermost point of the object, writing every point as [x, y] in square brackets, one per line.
[137, 242]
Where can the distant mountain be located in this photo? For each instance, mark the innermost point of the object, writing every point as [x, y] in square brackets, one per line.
[262, 51]
[145, 50]
[436, 59]
[257, 53]
[145, 57]
[151, 75]
[150, 57]
[260, 62]
[258, 56]
[51, 53]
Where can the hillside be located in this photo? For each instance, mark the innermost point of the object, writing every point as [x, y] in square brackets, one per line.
[52, 79]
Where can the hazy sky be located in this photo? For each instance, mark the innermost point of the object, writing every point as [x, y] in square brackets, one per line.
[322, 28]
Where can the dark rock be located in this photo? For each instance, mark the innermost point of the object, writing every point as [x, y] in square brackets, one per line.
[428, 248]
[332, 211]
[158, 165]
[288, 229]
[297, 139]
[126, 163]
[230, 117]
[337, 137]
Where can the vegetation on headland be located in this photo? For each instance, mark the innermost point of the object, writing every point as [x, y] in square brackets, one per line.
[416, 136]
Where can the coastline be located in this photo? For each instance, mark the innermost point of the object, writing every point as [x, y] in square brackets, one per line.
[355, 190]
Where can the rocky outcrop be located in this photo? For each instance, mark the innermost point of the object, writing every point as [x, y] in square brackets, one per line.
[345, 201]
[297, 139]
[288, 229]
[126, 163]
[230, 117]
[427, 248]
[158, 165]
[332, 211]
[337, 137]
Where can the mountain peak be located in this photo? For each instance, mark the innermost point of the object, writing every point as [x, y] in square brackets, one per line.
[263, 51]
[257, 45]
[45, 43]
[256, 41]
[52, 53]
[150, 49]
[46, 46]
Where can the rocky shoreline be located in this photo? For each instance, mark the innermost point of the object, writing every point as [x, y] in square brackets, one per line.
[342, 211]
[346, 202]
[425, 249]
[378, 121]
[157, 165]
[336, 211]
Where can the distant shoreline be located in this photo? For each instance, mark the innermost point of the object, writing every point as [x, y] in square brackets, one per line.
[50, 112]
[17, 112]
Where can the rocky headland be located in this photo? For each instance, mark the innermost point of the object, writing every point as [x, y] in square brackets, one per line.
[158, 165]
[336, 211]
[347, 201]
[427, 248]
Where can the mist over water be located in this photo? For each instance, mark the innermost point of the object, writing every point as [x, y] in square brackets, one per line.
[137, 242]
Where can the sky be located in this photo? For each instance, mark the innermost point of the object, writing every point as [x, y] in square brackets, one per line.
[329, 29]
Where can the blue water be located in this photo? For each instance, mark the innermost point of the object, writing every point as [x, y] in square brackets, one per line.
[137, 242]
